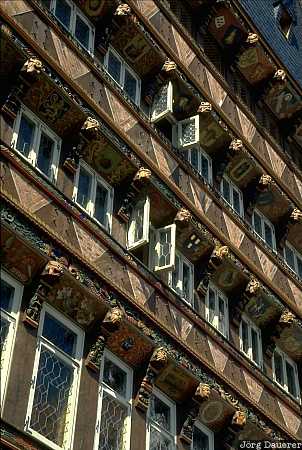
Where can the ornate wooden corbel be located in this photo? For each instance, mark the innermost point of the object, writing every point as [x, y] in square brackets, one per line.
[264, 184]
[157, 363]
[202, 394]
[224, 160]
[140, 181]
[49, 277]
[204, 107]
[32, 66]
[294, 218]
[279, 76]
[217, 257]
[169, 69]
[252, 39]
[122, 10]
[238, 422]
[91, 127]
[252, 290]
[110, 324]
[183, 217]
[287, 319]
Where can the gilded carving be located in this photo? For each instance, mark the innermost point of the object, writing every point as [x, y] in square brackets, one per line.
[142, 175]
[169, 66]
[265, 182]
[204, 107]
[202, 392]
[123, 10]
[279, 75]
[239, 419]
[296, 216]
[32, 65]
[252, 38]
[91, 125]
[287, 318]
[113, 319]
[252, 287]
[236, 145]
[183, 215]
[53, 270]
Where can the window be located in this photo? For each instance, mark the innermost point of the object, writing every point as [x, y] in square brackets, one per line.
[264, 229]
[163, 104]
[161, 423]
[74, 21]
[293, 259]
[250, 340]
[123, 75]
[114, 406]
[232, 195]
[186, 133]
[37, 143]
[11, 295]
[203, 438]
[161, 240]
[181, 278]
[217, 310]
[201, 162]
[285, 373]
[55, 382]
[94, 195]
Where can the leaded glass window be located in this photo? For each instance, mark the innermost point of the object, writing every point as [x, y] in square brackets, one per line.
[293, 259]
[232, 195]
[36, 142]
[123, 75]
[138, 233]
[250, 340]
[54, 387]
[163, 103]
[161, 423]
[181, 278]
[285, 373]
[264, 229]
[114, 408]
[94, 195]
[203, 438]
[11, 294]
[165, 247]
[217, 310]
[186, 133]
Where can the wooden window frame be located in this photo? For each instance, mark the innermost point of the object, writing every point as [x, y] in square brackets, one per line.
[182, 260]
[177, 129]
[168, 112]
[297, 256]
[124, 66]
[284, 387]
[132, 244]
[218, 294]
[13, 318]
[73, 361]
[33, 154]
[233, 188]
[249, 354]
[96, 178]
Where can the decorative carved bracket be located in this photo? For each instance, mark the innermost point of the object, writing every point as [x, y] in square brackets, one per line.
[204, 107]
[32, 66]
[140, 181]
[237, 424]
[169, 69]
[49, 277]
[251, 291]
[158, 362]
[294, 218]
[286, 320]
[216, 259]
[110, 324]
[224, 160]
[264, 184]
[202, 394]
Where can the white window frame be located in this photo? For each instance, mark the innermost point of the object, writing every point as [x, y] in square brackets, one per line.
[124, 66]
[40, 127]
[182, 260]
[132, 244]
[264, 220]
[249, 354]
[149, 422]
[284, 387]
[218, 294]
[206, 431]
[126, 401]
[96, 178]
[13, 318]
[176, 133]
[201, 152]
[233, 188]
[297, 256]
[171, 264]
[75, 11]
[168, 112]
[75, 362]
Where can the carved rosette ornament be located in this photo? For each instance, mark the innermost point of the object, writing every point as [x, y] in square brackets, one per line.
[51, 274]
[110, 324]
[158, 362]
[202, 394]
[204, 107]
[32, 66]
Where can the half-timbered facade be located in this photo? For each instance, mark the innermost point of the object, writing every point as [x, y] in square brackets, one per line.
[151, 184]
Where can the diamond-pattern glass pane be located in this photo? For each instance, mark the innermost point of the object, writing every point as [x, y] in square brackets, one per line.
[113, 428]
[164, 248]
[59, 335]
[50, 412]
[159, 441]
[160, 103]
[3, 337]
[188, 132]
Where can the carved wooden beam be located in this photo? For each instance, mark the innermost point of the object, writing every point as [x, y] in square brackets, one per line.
[202, 394]
[110, 324]
[140, 181]
[51, 274]
[157, 363]
[219, 254]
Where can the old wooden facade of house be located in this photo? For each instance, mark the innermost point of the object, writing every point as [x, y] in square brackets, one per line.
[151, 228]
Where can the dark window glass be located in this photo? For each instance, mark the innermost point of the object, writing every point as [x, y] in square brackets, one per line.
[257, 224]
[100, 209]
[236, 201]
[55, 332]
[114, 67]
[45, 154]
[245, 337]
[226, 190]
[200, 440]
[63, 12]
[160, 413]
[194, 158]
[291, 383]
[299, 266]
[130, 85]
[7, 295]
[255, 347]
[84, 188]
[115, 377]
[278, 369]
[205, 167]
[82, 32]
[289, 256]
[25, 135]
[268, 235]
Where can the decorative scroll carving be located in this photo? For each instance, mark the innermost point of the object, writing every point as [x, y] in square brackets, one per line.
[158, 362]
[110, 324]
[50, 275]
[204, 107]
[202, 394]
[32, 66]
[91, 126]
[123, 10]
[169, 68]
[139, 182]
[183, 216]
[218, 255]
